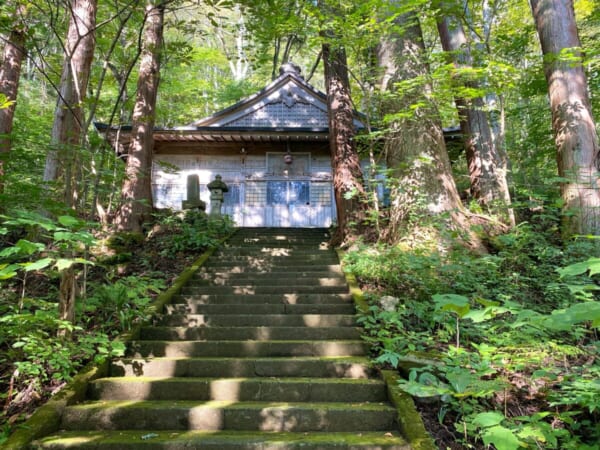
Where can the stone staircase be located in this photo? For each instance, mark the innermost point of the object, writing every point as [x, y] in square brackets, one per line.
[259, 351]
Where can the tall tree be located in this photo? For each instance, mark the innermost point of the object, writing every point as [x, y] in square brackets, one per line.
[137, 189]
[10, 72]
[572, 121]
[487, 167]
[347, 173]
[414, 147]
[67, 131]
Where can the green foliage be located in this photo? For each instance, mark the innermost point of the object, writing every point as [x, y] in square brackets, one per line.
[117, 306]
[29, 342]
[124, 241]
[527, 311]
[194, 232]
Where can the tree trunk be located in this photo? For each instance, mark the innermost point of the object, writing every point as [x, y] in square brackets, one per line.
[487, 169]
[67, 130]
[347, 173]
[415, 149]
[572, 121]
[10, 72]
[137, 190]
[67, 296]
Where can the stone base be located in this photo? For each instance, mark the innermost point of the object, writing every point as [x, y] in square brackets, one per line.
[193, 204]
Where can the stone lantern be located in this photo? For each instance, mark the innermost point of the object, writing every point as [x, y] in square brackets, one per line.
[217, 188]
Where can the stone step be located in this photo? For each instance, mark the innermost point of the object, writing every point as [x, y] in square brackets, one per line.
[239, 389]
[288, 299]
[222, 440]
[275, 251]
[259, 290]
[258, 320]
[287, 281]
[225, 415]
[234, 333]
[242, 268]
[325, 258]
[246, 348]
[307, 366]
[273, 242]
[312, 274]
[265, 309]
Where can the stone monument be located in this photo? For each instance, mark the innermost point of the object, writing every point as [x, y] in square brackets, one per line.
[193, 194]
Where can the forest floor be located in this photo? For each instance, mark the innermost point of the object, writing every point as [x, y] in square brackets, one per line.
[156, 262]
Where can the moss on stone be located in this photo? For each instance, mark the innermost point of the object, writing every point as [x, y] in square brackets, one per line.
[355, 291]
[409, 419]
[195, 439]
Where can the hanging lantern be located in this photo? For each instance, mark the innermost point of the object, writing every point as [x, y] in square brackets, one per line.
[287, 158]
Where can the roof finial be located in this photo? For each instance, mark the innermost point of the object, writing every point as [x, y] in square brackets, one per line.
[290, 67]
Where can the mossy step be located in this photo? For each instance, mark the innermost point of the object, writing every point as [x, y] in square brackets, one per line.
[247, 348]
[268, 309]
[222, 440]
[257, 259]
[288, 299]
[239, 389]
[307, 366]
[255, 333]
[242, 268]
[275, 250]
[273, 244]
[175, 319]
[263, 290]
[289, 280]
[191, 315]
[227, 415]
[312, 274]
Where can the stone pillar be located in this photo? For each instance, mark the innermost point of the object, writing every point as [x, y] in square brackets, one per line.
[217, 188]
[193, 194]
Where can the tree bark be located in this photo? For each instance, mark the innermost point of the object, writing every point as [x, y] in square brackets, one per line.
[487, 169]
[414, 147]
[347, 173]
[10, 72]
[67, 130]
[572, 121]
[137, 189]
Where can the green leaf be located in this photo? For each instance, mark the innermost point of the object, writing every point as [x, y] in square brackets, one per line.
[37, 265]
[532, 432]
[29, 247]
[592, 265]
[10, 251]
[502, 438]
[488, 419]
[62, 264]
[64, 236]
[8, 271]
[457, 304]
[69, 221]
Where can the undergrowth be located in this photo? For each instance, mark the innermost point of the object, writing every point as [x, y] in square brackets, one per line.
[118, 277]
[512, 336]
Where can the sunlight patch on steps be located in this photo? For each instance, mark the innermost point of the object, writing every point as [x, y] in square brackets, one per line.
[226, 389]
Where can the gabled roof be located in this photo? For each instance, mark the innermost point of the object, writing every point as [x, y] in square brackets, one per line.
[289, 102]
[288, 109]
